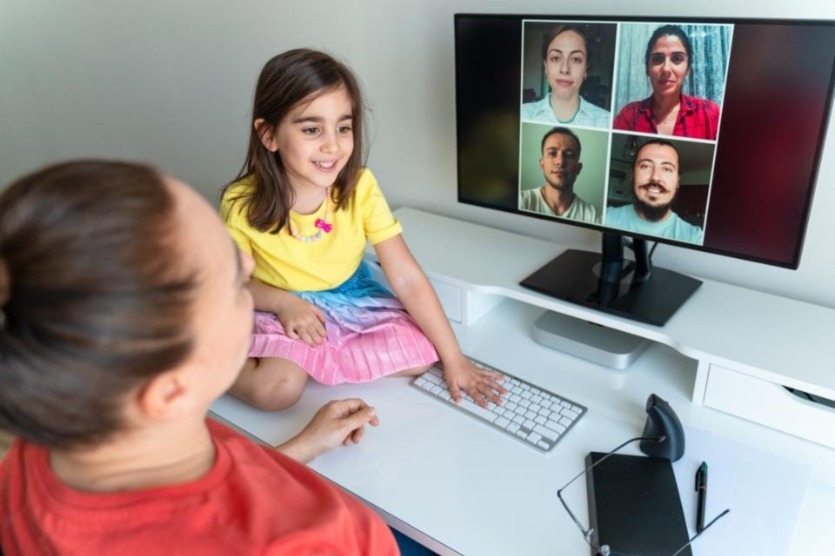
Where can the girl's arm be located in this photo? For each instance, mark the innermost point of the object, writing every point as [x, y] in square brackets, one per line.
[299, 318]
[416, 293]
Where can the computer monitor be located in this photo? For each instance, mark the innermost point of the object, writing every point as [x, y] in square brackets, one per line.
[705, 134]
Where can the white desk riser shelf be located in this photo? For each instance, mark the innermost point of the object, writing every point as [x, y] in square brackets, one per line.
[742, 340]
[443, 479]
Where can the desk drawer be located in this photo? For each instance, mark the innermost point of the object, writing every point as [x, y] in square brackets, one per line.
[769, 404]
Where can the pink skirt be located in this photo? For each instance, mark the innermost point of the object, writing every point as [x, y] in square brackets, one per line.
[369, 335]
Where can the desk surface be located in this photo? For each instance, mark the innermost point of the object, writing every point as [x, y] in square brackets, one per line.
[458, 486]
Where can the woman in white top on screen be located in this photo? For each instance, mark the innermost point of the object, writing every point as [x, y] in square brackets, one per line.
[565, 59]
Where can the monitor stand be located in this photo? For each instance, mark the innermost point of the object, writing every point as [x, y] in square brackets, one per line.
[608, 283]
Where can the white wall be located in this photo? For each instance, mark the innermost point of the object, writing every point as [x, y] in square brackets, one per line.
[171, 83]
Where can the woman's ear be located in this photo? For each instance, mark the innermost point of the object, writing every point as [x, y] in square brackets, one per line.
[266, 133]
[164, 395]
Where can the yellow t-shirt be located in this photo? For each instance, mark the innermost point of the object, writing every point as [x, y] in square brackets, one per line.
[288, 263]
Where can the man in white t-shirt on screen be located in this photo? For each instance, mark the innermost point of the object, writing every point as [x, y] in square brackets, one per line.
[560, 164]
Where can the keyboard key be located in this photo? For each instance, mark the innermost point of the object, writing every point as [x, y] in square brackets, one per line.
[570, 413]
[529, 414]
[482, 412]
[554, 425]
[435, 379]
[547, 433]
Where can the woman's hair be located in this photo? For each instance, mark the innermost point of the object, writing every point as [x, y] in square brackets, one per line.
[285, 81]
[675, 31]
[560, 29]
[93, 302]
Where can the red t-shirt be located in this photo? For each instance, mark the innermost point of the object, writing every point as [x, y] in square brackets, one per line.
[253, 501]
[697, 118]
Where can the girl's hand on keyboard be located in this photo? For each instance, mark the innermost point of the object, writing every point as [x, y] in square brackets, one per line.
[482, 385]
[337, 422]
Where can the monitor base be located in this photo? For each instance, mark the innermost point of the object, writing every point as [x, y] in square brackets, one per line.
[589, 341]
[646, 297]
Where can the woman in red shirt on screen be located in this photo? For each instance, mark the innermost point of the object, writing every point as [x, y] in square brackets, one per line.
[124, 313]
[668, 111]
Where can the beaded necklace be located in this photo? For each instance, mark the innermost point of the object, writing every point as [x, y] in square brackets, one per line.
[322, 225]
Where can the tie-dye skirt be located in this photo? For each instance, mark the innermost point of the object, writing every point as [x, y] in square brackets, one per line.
[369, 334]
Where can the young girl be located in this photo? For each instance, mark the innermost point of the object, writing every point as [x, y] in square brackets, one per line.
[124, 313]
[304, 207]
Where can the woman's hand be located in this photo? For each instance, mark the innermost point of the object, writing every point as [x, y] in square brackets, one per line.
[483, 386]
[302, 320]
[337, 422]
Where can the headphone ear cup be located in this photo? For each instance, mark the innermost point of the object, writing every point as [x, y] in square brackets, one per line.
[664, 429]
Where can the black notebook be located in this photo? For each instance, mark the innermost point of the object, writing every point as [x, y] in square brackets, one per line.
[634, 506]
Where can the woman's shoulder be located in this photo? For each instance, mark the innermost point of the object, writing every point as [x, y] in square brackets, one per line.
[592, 114]
[700, 103]
[633, 106]
[531, 109]
[592, 108]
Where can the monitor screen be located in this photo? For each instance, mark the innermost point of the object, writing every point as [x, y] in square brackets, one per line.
[705, 134]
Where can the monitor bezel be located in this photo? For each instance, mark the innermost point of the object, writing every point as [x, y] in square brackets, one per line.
[818, 155]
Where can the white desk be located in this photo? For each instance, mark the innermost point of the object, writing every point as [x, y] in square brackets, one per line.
[444, 478]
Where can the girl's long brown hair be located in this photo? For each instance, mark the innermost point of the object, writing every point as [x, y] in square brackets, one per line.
[285, 81]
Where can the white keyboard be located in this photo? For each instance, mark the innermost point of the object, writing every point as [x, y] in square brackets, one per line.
[530, 414]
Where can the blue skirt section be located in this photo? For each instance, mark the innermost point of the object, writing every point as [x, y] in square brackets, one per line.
[360, 284]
